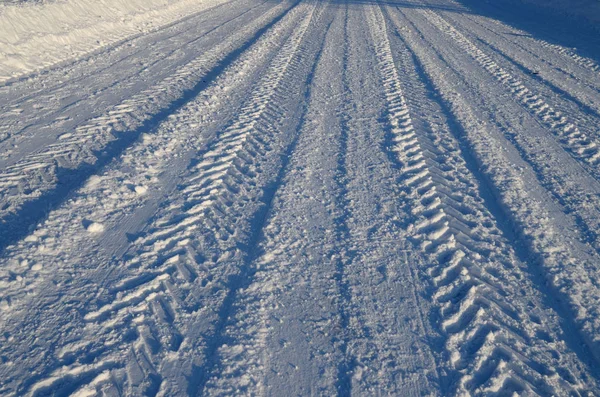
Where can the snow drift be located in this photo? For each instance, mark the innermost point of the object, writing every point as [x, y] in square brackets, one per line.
[38, 35]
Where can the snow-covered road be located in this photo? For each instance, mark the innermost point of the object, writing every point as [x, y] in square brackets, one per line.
[306, 197]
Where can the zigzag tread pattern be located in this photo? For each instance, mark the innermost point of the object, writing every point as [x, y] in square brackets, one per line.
[584, 148]
[490, 342]
[111, 197]
[147, 314]
[37, 173]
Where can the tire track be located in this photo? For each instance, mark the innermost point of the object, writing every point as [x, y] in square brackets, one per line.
[152, 158]
[552, 253]
[170, 266]
[324, 303]
[573, 185]
[161, 86]
[520, 45]
[583, 147]
[591, 66]
[241, 361]
[48, 104]
[492, 345]
[343, 209]
[569, 53]
[45, 179]
[150, 162]
[578, 70]
[565, 85]
[383, 354]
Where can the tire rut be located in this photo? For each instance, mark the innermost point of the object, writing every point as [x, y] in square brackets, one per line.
[492, 345]
[43, 180]
[196, 272]
[157, 291]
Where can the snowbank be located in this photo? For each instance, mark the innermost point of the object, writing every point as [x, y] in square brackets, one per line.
[37, 35]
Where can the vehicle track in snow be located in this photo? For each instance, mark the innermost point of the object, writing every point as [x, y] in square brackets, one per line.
[166, 290]
[574, 187]
[347, 330]
[87, 89]
[44, 178]
[305, 198]
[559, 235]
[148, 171]
[493, 344]
[261, 306]
[585, 148]
[507, 183]
[149, 162]
[563, 71]
[563, 41]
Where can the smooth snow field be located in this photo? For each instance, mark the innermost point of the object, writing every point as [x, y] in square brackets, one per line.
[298, 198]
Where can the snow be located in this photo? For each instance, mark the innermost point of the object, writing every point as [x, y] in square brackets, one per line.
[583, 10]
[95, 227]
[39, 35]
[298, 198]
[140, 189]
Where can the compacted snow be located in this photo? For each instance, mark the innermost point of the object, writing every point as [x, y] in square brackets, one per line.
[299, 197]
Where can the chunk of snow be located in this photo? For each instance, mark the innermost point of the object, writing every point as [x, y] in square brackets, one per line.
[95, 227]
[93, 181]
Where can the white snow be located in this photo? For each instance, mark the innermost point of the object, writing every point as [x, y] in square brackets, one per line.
[95, 227]
[38, 35]
[251, 197]
[141, 189]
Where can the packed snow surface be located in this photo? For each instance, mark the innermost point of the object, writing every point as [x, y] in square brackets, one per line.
[298, 197]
